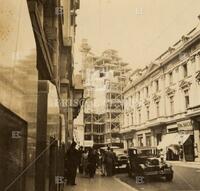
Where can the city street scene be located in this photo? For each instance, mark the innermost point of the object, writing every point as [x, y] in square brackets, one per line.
[99, 95]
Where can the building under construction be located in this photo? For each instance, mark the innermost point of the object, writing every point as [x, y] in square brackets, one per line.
[104, 78]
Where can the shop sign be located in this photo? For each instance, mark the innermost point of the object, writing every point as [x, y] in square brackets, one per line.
[184, 125]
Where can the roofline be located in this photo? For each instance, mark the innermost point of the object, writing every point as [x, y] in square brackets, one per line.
[168, 59]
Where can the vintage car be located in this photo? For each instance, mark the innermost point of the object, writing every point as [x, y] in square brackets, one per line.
[121, 158]
[144, 163]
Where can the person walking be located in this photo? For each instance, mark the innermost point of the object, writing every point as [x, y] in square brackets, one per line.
[84, 161]
[92, 162]
[80, 166]
[103, 162]
[109, 160]
[114, 157]
[72, 161]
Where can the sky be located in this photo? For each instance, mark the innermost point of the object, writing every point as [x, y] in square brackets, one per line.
[140, 30]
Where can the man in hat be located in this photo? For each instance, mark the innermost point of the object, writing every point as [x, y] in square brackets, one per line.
[72, 157]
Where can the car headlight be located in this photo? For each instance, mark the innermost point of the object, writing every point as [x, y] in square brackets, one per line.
[142, 166]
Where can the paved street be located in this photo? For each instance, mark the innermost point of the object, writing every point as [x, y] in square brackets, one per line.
[185, 178]
[99, 183]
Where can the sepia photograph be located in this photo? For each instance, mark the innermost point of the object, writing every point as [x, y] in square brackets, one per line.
[99, 95]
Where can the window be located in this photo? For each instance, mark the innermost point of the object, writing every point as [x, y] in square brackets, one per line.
[87, 128]
[187, 99]
[128, 119]
[157, 109]
[138, 95]
[140, 140]
[147, 113]
[173, 130]
[126, 103]
[193, 59]
[139, 117]
[170, 78]
[147, 91]
[148, 140]
[132, 118]
[88, 137]
[101, 74]
[131, 101]
[185, 70]
[171, 105]
[157, 85]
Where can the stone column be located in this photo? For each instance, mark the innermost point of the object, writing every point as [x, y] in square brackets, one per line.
[41, 136]
[197, 62]
[144, 139]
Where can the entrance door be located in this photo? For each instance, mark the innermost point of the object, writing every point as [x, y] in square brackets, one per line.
[189, 149]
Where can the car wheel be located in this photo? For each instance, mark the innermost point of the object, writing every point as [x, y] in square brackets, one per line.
[130, 174]
[169, 177]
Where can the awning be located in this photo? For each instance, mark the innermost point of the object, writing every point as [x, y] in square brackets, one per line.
[173, 139]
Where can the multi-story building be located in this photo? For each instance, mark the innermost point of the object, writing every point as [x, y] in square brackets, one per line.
[36, 70]
[104, 77]
[162, 105]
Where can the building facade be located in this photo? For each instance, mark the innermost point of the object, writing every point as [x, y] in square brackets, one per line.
[162, 108]
[36, 81]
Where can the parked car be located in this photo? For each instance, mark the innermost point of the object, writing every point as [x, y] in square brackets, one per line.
[121, 158]
[147, 165]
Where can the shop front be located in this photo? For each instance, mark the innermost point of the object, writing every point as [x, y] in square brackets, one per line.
[178, 142]
[194, 114]
[128, 139]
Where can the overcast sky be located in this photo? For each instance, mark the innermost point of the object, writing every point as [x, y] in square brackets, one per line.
[139, 29]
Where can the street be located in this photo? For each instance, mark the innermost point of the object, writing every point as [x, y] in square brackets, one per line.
[184, 179]
[99, 183]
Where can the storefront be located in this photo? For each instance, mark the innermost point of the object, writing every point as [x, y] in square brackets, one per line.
[186, 141]
[128, 139]
[178, 142]
[194, 114]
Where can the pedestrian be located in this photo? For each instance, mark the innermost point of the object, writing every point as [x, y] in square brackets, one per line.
[103, 162]
[109, 160]
[181, 154]
[92, 162]
[114, 160]
[84, 161]
[80, 166]
[72, 161]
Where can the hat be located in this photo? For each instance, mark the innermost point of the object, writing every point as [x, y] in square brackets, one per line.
[73, 144]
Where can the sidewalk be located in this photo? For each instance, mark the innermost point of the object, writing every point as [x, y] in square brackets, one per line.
[99, 183]
[185, 164]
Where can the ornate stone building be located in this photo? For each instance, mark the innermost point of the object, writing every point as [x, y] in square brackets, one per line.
[162, 105]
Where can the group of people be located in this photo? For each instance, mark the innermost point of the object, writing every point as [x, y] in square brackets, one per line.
[87, 160]
[108, 160]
